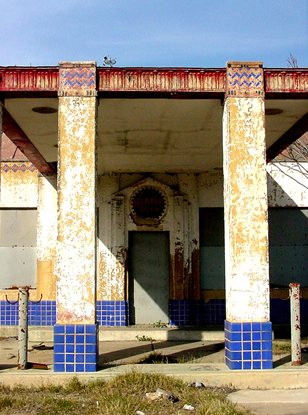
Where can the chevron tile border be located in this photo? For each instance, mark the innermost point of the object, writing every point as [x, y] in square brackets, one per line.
[77, 79]
[244, 80]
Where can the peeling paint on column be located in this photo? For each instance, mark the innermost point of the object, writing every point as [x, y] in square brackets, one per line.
[76, 259]
[245, 195]
[46, 237]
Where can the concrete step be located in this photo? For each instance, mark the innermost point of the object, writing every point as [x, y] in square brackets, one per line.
[45, 333]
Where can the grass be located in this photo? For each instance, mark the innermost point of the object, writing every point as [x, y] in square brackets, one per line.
[124, 395]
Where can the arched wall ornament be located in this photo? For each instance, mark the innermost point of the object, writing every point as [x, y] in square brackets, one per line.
[148, 205]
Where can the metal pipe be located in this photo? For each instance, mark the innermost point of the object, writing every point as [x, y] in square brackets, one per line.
[23, 298]
[295, 324]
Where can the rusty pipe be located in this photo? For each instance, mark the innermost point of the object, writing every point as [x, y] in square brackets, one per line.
[23, 299]
[295, 324]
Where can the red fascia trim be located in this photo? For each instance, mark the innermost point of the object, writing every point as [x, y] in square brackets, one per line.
[19, 138]
[42, 80]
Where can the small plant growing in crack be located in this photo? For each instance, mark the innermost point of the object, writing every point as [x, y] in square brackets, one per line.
[160, 324]
[144, 338]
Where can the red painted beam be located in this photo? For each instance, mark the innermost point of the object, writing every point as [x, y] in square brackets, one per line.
[45, 80]
[29, 79]
[19, 138]
[288, 138]
[162, 80]
[292, 81]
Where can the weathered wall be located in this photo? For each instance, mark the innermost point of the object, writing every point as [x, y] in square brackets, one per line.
[18, 185]
[46, 237]
[116, 220]
[287, 184]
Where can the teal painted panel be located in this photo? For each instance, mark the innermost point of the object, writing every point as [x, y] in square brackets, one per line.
[288, 227]
[211, 222]
[288, 264]
[212, 268]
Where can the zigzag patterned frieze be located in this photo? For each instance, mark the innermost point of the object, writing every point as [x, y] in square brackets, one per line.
[78, 78]
[246, 75]
[252, 83]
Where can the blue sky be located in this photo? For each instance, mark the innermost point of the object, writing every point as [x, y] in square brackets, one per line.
[189, 33]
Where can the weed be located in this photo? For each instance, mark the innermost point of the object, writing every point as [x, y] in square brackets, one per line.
[145, 338]
[159, 324]
[6, 402]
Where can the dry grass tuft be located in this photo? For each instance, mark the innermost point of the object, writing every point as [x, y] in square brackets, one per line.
[123, 395]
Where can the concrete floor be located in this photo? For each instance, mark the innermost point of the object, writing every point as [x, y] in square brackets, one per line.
[282, 391]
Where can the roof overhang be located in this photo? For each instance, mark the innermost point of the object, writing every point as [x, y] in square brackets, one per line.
[175, 112]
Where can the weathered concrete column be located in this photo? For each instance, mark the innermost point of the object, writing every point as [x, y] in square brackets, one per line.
[76, 330]
[46, 237]
[247, 327]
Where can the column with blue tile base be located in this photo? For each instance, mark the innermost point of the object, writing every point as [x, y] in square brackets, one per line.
[248, 345]
[75, 347]
[75, 332]
[247, 328]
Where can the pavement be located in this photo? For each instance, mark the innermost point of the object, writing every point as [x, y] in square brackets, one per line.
[283, 390]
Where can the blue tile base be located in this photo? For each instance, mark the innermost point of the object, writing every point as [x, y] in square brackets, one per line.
[75, 347]
[248, 346]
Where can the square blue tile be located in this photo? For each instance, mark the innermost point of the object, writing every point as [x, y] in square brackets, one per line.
[266, 364]
[267, 345]
[80, 358]
[57, 367]
[80, 328]
[58, 358]
[91, 329]
[256, 355]
[256, 326]
[266, 335]
[267, 355]
[80, 338]
[256, 335]
[235, 346]
[91, 348]
[59, 338]
[70, 358]
[247, 355]
[58, 329]
[266, 326]
[70, 329]
[80, 348]
[246, 327]
[256, 345]
[90, 367]
[69, 348]
[91, 358]
[256, 365]
[246, 336]
[235, 355]
[235, 365]
[58, 348]
[80, 367]
[247, 365]
[247, 346]
[70, 338]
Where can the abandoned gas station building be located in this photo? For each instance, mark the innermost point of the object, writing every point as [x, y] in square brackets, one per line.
[146, 197]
